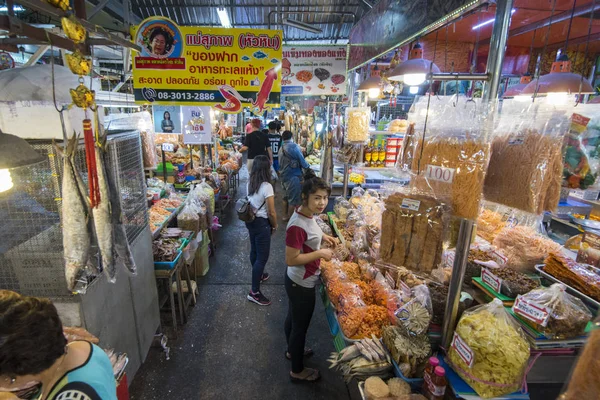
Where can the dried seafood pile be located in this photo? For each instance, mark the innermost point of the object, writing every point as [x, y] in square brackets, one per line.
[165, 249]
[363, 359]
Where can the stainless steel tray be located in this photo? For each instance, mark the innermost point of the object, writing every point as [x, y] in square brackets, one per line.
[586, 299]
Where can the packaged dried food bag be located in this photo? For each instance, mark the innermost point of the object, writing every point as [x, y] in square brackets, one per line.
[489, 351]
[451, 155]
[188, 219]
[357, 121]
[415, 315]
[342, 208]
[553, 312]
[351, 319]
[525, 169]
[581, 148]
[337, 289]
[325, 227]
[584, 382]
[413, 231]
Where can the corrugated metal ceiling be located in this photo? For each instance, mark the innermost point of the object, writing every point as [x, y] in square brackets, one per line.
[334, 17]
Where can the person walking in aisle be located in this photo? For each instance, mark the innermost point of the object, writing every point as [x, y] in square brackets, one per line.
[291, 163]
[257, 144]
[303, 255]
[262, 199]
[276, 142]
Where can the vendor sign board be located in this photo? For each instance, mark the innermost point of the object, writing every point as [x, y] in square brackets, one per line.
[228, 69]
[309, 70]
[196, 125]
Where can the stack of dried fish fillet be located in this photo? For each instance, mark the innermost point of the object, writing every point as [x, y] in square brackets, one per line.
[465, 158]
[573, 274]
[525, 171]
[412, 231]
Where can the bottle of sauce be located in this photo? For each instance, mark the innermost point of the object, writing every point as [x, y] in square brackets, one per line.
[368, 154]
[428, 375]
[437, 390]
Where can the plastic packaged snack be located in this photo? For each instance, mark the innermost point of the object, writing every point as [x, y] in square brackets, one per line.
[451, 156]
[562, 317]
[525, 169]
[357, 119]
[324, 226]
[415, 315]
[489, 350]
[338, 289]
[412, 231]
[351, 319]
[342, 208]
[524, 247]
[584, 382]
[581, 155]
[188, 219]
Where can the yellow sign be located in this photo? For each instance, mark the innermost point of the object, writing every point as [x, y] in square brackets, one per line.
[228, 69]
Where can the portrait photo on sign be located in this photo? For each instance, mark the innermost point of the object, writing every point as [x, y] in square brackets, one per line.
[167, 119]
[159, 38]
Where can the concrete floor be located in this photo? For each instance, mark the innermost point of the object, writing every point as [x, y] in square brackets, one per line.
[234, 349]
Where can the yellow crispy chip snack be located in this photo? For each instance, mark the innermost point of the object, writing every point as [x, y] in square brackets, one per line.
[500, 352]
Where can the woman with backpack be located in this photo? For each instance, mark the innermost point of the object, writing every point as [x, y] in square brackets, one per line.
[261, 202]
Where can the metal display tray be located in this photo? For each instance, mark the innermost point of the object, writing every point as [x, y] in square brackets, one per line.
[586, 299]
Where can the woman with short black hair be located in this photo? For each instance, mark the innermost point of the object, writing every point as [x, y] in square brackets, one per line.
[37, 363]
[303, 256]
[262, 199]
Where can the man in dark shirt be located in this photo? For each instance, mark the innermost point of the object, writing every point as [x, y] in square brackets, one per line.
[276, 141]
[257, 144]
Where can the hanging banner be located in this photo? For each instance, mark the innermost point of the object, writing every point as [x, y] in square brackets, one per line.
[196, 125]
[167, 119]
[228, 69]
[308, 70]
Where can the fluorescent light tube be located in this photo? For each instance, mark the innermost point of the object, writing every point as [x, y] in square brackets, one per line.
[489, 21]
[15, 8]
[224, 17]
[301, 25]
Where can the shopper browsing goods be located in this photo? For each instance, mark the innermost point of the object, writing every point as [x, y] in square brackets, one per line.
[276, 142]
[303, 254]
[291, 163]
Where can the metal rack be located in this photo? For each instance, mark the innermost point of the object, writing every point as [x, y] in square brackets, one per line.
[31, 253]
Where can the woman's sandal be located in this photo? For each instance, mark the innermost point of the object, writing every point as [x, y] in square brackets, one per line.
[314, 376]
[307, 353]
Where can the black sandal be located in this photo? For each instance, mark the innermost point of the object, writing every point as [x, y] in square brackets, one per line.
[307, 353]
[313, 377]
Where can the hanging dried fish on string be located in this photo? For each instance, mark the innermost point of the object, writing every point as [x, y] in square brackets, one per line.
[76, 221]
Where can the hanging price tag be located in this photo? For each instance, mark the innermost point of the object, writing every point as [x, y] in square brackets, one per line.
[463, 350]
[170, 147]
[531, 311]
[492, 280]
[441, 174]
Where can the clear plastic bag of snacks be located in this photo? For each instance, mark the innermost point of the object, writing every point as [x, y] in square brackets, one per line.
[526, 168]
[562, 317]
[357, 121]
[451, 155]
[415, 315]
[489, 350]
[341, 208]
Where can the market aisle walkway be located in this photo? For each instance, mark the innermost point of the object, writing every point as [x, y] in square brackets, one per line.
[231, 348]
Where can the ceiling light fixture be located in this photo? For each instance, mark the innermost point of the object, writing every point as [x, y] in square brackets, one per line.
[14, 152]
[489, 21]
[15, 8]
[301, 25]
[224, 17]
[413, 72]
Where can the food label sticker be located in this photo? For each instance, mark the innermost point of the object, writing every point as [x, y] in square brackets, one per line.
[410, 204]
[390, 280]
[492, 280]
[463, 350]
[442, 174]
[531, 311]
[168, 147]
[405, 289]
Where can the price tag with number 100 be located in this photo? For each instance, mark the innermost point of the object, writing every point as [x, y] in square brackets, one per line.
[441, 174]
[168, 147]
